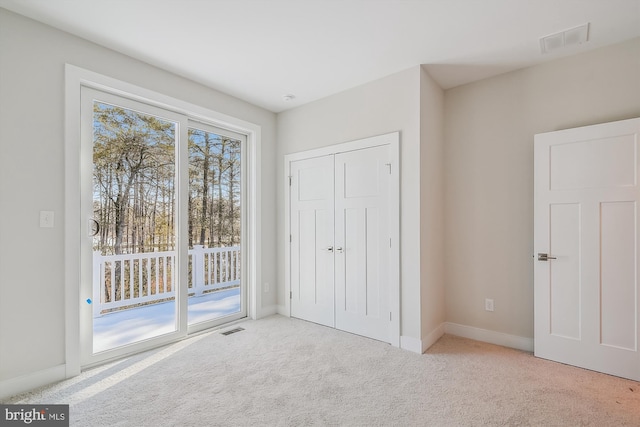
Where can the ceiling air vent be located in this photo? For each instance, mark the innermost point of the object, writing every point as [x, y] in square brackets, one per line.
[571, 37]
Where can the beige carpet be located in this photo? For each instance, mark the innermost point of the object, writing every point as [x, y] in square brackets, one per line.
[286, 372]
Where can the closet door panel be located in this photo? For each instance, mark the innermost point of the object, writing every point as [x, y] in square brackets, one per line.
[312, 230]
[362, 242]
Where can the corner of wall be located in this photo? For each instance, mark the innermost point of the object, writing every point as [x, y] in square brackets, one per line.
[432, 337]
[491, 337]
[282, 310]
[411, 344]
[267, 311]
[432, 292]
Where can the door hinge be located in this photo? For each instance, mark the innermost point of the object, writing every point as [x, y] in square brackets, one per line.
[290, 180]
[389, 164]
[389, 316]
[290, 294]
[389, 241]
[290, 238]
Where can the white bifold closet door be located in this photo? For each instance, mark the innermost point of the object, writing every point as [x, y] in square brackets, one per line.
[340, 241]
[312, 236]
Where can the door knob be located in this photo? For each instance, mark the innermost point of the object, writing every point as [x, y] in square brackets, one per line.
[545, 257]
[330, 249]
[339, 250]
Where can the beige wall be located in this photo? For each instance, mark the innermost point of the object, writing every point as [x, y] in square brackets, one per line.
[412, 103]
[489, 130]
[32, 283]
[387, 105]
[483, 171]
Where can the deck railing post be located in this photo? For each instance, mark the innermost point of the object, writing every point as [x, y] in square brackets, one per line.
[98, 284]
[197, 269]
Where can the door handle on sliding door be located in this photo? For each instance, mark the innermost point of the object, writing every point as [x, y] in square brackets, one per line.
[329, 249]
[93, 227]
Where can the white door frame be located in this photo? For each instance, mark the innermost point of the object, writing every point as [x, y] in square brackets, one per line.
[393, 141]
[75, 78]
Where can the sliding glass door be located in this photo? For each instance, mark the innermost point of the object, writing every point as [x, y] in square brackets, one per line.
[161, 202]
[215, 223]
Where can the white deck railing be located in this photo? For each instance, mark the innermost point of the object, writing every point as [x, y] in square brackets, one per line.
[129, 280]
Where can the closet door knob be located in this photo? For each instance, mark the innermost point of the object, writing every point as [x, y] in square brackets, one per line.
[545, 257]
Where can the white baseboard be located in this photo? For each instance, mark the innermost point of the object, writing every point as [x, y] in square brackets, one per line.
[283, 310]
[28, 382]
[267, 311]
[432, 337]
[492, 337]
[411, 344]
[420, 346]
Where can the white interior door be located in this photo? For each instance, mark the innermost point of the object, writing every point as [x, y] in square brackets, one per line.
[362, 242]
[586, 222]
[312, 235]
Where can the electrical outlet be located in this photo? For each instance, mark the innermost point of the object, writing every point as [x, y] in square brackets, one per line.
[488, 304]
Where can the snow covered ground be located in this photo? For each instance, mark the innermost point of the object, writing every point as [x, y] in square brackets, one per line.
[129, 326]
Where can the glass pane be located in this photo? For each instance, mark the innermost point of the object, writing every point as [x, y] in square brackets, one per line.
[214, 226]
[134, 209]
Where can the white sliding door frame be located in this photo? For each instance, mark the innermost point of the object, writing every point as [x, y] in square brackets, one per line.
[393, 141]
[75, 79]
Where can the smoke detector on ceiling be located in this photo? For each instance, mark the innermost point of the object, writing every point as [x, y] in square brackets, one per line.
[571, 37]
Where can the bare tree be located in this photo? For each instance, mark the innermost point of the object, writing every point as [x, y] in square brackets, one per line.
[130, 150]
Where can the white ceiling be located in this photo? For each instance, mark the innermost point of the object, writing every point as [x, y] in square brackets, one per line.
[259, 50]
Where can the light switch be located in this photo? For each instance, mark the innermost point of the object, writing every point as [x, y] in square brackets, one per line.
[46, 219]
